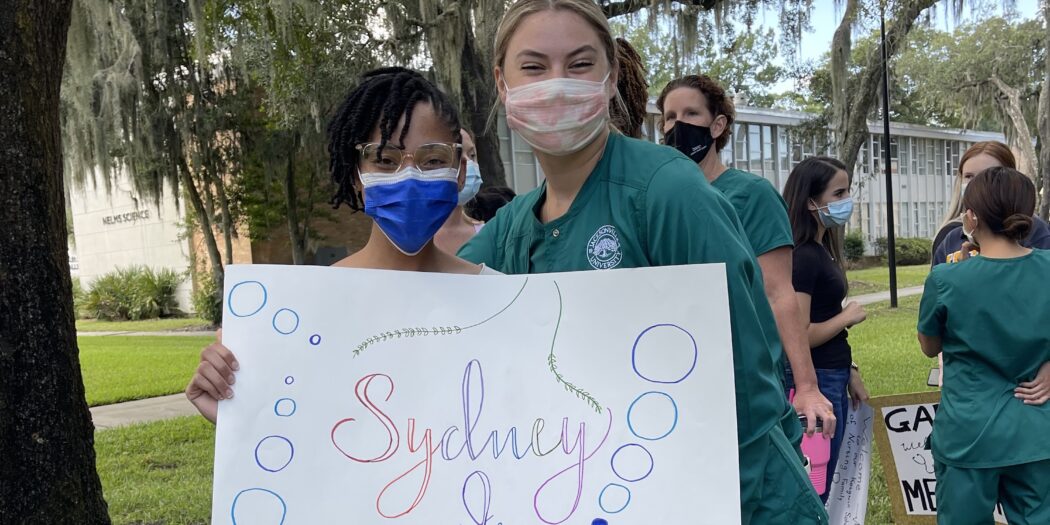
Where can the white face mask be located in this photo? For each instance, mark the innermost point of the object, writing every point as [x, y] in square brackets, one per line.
[559, 116]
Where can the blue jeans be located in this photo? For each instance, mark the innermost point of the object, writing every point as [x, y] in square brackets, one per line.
[832, 383]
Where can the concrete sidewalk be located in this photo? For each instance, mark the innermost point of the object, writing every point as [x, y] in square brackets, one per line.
[201, 333]
[141, 411]
[885, 296]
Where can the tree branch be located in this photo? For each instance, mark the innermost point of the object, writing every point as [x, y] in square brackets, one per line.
[1011, 106]
[851, 138]
[626, 7]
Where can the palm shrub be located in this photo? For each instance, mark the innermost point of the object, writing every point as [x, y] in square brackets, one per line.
[133, 293]
[205, 302]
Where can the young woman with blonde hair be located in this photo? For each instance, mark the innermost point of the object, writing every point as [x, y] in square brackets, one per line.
[610, 201]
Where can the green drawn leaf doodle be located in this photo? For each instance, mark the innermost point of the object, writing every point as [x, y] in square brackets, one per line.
[552, 359]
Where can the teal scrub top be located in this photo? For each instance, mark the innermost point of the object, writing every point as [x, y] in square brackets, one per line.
[647, 205]
[762, 210]
[993, 317]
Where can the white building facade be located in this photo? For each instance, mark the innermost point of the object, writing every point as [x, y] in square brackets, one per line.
[924, 162]
[117, 228]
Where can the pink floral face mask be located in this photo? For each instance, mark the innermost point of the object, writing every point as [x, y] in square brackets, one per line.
[559, 116]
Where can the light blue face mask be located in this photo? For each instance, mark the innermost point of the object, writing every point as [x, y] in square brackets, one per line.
[837, 214]
[473, 183]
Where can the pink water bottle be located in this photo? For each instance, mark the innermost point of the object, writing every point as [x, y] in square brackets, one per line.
[817, 450]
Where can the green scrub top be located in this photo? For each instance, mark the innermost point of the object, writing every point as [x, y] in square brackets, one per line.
[993, 317]
[761, 209]
[646, 205]
[763, 214]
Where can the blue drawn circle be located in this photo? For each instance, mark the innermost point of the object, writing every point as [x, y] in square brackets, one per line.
[315, 339]
[229, 300]
[278, 314]
[233, 507]
[291, 453]
[674, 423]
[612, 462]
[634, 354]
[289, 380]
[287, 411]
[601, 498]
[599, 521]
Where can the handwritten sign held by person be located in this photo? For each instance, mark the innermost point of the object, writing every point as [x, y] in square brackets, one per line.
[848, 500]
[395, 397]
[903, 426]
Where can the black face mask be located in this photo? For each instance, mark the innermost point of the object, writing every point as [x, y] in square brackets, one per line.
[693, 141]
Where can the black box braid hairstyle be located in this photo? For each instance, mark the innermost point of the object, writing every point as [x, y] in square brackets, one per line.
[381, 98]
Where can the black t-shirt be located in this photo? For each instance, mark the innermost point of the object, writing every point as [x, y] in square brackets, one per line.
[816, 273]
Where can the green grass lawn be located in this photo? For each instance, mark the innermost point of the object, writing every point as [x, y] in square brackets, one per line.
[888, 353]
[871, 280]
[160, 473]
[122, 368]
[148, 325]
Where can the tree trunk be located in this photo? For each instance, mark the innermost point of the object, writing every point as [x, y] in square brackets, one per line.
[841, 48]
[465, 73]
[291, 196]
[851, 138]
[205, 224]
[46, 435]
[227, 218]
[1010, 104]
[1044, 124]
[479, 98]
[317, 172]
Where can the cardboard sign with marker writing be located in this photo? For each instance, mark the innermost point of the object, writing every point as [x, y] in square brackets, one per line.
[902, 431]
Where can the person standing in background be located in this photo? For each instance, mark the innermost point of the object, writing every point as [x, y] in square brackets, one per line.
[950, 241]
[989, 318]
[460, 227]
[629, 116]
[697, 120]
[487, 202]
[819, 203]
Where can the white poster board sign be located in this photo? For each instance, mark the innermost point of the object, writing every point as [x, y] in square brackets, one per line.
[904, 430]
[848, 500]
[371, 397]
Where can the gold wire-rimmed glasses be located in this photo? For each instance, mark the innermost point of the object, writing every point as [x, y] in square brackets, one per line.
[390, 158]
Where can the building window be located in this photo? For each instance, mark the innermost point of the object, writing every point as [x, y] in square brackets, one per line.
[740, 146]
[783, 150]
[903, 155]
[769, 162]
[754, 143]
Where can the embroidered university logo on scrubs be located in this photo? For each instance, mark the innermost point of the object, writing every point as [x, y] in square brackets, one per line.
[603, 250]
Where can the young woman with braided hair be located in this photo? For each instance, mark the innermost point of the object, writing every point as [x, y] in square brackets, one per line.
[396, 154]
[634, 89]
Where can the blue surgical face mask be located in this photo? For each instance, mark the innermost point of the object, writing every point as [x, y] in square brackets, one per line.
[837, 213]
[473, 183]
[411, 205]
